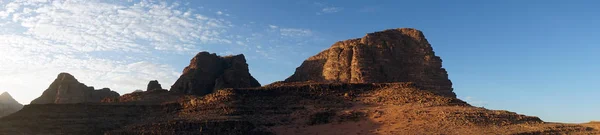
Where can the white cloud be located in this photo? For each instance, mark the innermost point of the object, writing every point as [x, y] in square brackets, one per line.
[97, 26]
[273, 26]
[327, 8]
[221, 13]
[293, 32]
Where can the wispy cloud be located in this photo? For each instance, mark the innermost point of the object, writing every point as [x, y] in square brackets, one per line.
[327, 8]
[221, 13]
[292, 32]
[273, 26]
[331, 9]
[98, 26]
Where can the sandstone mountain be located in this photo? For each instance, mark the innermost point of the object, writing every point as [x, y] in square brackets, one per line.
[395, 55]
[154, 85]
[67, 90]
[209, 72]
[8, 104]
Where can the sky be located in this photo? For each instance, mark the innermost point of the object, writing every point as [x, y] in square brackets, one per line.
[536, 57]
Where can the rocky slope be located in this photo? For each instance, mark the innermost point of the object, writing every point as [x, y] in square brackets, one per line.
[8, 104]
[287, 108]
[395, 55]
[67, 90]
[209, 72]
[593, 124]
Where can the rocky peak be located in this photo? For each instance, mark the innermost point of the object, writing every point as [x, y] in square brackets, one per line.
[208, 72]
[5, 95]
[65, 77]
[394, 55]
[8, 104]
[6, 98]
[66, 89]
[154, 85]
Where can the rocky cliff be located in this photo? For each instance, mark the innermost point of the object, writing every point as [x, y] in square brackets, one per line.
[8, 104]
[209, 72]
[394, 55]
[67, 90]
[153, 85]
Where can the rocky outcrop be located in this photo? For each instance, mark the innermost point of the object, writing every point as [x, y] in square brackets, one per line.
[8, 104]
[67, 90]
[209, 72]
[154, 85]
[395, 55]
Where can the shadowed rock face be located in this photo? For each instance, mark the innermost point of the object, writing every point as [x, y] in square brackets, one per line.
[209, 72]
[154, 85]
[8, 104]
[395, 55]
[67, 90]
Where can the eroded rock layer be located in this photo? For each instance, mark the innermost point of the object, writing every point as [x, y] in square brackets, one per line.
[67, 90]
[209, 72]
[395, 55]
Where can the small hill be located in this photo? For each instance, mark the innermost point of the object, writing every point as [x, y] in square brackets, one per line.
[8, 104]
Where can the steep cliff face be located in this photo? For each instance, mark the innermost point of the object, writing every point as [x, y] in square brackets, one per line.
[67, 90]
[8, 104]
[209, 72]
[395, 55]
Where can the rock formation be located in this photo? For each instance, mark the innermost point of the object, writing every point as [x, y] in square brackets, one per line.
[67, 90]
[154, 85]
[8, 104]
[395, 55]
[209, 72]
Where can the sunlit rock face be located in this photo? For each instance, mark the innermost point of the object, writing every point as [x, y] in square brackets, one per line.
[67, 90]
[394, 55]
[208, 72]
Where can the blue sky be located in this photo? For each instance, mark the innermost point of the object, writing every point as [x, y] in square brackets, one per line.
[533, 57]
